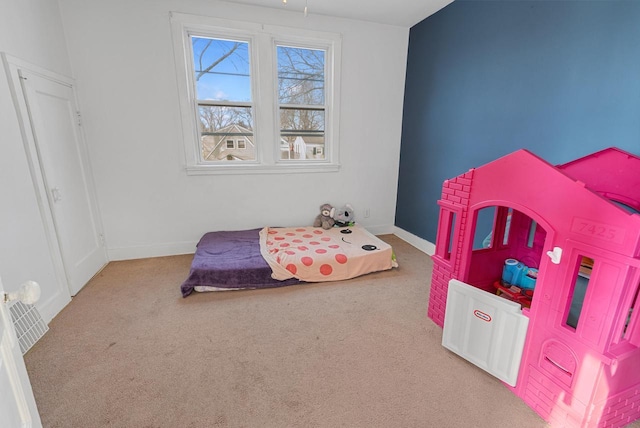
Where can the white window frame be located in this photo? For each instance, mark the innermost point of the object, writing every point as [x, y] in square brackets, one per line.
[264, 80]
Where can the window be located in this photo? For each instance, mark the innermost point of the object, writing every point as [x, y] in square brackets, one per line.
[255, 97]
[579, 290]
[532, 234]
[483, 235]
[630, 320]
[301, 98]
[222, 84]
[450, 235]
[507, 227]
[445, 246]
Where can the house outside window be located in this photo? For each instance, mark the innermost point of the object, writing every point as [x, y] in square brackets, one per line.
[291, 126]
[222, 145]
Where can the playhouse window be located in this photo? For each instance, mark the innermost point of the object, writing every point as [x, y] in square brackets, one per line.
[579, 289]
[483, 236]
[507, 227]
[488, 221]
[630, 319]
[450, 233]
[532, 234]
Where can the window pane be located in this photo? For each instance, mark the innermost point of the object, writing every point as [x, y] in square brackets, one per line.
[579, 290]
[301, 120]
[221, 128]
[300, 76]
[507, 227]
[484, 228]
[532, 234]
[301, 147]
[302, 134]
[451, 232]
[221, 69]
[626, 334]
[216, 118]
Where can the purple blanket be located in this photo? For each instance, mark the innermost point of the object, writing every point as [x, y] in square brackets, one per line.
[230, 260]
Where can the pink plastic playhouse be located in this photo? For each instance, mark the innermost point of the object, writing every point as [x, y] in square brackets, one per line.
[572, 234]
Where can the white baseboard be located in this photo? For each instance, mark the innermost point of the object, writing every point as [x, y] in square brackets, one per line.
[50, 308]
[421, 244]
[189, 247]
[154, 250]
[380, 229]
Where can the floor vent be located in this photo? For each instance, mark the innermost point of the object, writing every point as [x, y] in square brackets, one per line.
[30, 326]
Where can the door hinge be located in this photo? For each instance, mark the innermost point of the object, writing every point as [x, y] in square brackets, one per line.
[79, 117]
[101, 238]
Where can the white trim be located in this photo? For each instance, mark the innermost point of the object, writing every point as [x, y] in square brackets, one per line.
[421, 244]
[260, 169]
[189, 247]
[152, 250]
[378, 229]
[18, 63]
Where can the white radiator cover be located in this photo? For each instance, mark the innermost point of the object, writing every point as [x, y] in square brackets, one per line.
[487, 330]
[30, 326]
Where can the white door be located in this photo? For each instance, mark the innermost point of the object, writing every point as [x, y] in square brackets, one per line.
[54, 122]
[485, 329]
[17, 404]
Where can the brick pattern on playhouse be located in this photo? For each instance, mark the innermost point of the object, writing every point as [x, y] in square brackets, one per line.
[455, 193]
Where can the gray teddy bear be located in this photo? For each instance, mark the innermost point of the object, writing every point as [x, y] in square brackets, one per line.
[325, 218]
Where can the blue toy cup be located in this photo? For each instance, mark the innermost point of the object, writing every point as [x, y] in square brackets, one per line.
[511, 271]
[518, 274]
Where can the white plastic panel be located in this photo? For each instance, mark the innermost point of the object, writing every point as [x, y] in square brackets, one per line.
[485, 329]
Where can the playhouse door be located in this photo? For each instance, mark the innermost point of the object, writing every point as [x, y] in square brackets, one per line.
[485, 329]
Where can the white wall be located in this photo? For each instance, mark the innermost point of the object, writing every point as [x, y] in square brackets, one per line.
[32, 31]
[121, 54]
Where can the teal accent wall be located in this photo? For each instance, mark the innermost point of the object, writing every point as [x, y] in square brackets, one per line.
[486, 78]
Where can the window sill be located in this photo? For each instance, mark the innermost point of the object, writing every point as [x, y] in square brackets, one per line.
[261, 169]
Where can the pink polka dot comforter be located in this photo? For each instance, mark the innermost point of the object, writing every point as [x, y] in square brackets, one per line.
[314, 254]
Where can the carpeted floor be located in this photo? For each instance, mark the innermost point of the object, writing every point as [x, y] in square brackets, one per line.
[129, 351]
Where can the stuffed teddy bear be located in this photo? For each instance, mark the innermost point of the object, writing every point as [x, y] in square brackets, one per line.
[325, 218]
[344, 216]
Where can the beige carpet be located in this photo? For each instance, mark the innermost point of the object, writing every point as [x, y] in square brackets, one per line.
[129, 351]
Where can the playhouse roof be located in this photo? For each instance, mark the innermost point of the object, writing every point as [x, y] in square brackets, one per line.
[570, 199]
[613, 173]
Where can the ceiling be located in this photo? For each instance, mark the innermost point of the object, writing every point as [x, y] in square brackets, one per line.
[403, 13]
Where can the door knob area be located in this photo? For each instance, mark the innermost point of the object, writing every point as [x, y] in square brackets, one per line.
[55, 193]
